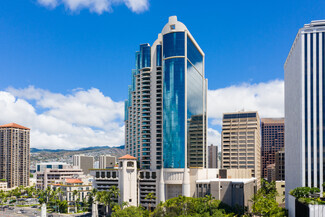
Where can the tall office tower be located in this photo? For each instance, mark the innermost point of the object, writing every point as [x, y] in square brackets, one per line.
[272, 141]
[304, 108]
[14, 154]
[241, 142]
[83, 162]
[280, 165]
[106, 161]
[213, 156]
[165, 114]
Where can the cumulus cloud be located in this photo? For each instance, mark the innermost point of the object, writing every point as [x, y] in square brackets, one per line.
[80, 119]
[97, 6]
[214, 137]
[266, 98]
[85, 118]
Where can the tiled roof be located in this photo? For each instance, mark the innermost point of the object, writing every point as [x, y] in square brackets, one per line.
[73, 181]
[127, 157]
[14, 125]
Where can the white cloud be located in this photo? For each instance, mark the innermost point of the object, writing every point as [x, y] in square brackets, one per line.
[80, 119]
[214, 137]
[266, 98]
[98, 6]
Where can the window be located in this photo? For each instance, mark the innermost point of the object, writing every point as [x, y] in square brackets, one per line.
[172, 27]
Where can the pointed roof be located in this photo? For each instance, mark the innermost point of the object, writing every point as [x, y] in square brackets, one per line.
[127, 157]
[14, 125]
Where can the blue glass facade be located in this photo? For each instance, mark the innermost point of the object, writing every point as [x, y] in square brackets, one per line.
[174, 44]
[159, 56]
[174, 113]
[195, 123]
[145, 57]
[194, 56]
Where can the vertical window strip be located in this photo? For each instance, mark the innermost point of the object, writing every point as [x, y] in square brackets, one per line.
[317, 111]
[306, 112]
[311, 67]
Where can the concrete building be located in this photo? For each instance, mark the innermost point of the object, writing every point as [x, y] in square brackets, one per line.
[3, 186]
[107, 161]
[213, 156]
[304, 109]
[272, 141]
[83, 162]
[56, 176]
[270, 172]
[280, 165]
[68, 185]
[241, 142]
[40, 167]
[14, 154]
[230, 191]
[139, 183]
[280, 188]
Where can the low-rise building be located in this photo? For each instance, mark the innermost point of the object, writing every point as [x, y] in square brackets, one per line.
[52, 176]
[68, 186]
[3, 185]
[280, 188]
[164, 183]
[40, 167]
[230, 191]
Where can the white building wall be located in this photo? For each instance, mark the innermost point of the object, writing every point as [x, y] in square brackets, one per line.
[294, 118]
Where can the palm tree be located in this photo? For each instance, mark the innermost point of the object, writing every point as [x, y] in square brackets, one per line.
[74, 193]
[151, 196]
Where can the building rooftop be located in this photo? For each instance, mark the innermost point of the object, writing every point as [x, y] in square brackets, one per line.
[73, 181]
[204, 181]
[127, 157]
[14, 125]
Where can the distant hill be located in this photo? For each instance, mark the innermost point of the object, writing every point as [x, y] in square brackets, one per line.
[35, 150]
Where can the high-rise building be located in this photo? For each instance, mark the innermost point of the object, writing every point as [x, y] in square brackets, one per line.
[272, 141]
[106, 161]
[165, 114]
[280, 166]
[213, 156]
[304, 108]
[14, 154]
[83, 162]
[241, 142]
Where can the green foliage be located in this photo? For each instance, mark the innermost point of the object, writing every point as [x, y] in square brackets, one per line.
[264, 201]
[188, 206]
[304, 192]
[3, 180]
[131, 211]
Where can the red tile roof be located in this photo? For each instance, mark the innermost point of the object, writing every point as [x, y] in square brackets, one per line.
[73, 181]
[127, 157]
[14, 125]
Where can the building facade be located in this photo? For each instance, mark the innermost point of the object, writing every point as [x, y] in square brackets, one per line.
[83, 162]
[107, 161]
[213, 156]
[280, 165]
[14, 154]
[272, 141]
[165, 114]
[56, 176]
[136, 184]
[241, 142]
[304, 108]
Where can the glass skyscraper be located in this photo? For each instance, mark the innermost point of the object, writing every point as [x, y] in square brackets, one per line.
[304, 109]
[165, 114]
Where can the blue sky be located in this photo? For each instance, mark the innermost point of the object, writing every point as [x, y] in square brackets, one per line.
[66, 51]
